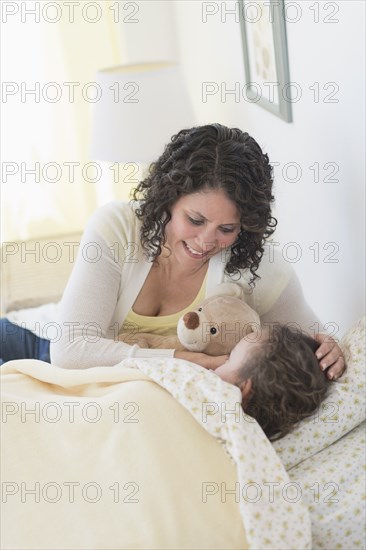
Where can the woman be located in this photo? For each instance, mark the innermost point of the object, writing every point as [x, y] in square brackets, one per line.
[201, 217]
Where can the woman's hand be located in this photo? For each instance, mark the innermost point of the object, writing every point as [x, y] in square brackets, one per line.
[207, 361]
[330, 356]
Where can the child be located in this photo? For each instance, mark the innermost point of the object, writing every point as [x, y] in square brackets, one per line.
[279, 378]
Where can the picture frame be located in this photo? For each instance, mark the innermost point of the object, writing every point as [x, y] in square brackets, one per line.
[267, 75]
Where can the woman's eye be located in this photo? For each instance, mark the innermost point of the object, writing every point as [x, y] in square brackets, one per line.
[227, 230]
[195, 222]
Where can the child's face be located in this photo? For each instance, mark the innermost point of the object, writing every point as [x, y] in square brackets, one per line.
[237, 359]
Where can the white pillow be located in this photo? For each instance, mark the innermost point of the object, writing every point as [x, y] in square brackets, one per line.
[342, 410]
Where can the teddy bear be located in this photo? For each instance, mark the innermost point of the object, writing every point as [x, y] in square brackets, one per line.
[214, 328]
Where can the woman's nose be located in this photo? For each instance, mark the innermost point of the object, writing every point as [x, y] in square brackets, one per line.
[206, 238]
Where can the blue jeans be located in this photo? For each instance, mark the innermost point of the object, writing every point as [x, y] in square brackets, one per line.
[19, 343]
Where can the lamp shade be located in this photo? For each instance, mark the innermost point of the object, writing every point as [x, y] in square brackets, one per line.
[140, 107]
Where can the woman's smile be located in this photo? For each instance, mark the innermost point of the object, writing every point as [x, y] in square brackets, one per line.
[192, 253]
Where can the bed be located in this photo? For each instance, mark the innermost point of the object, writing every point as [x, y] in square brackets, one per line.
[157, 454]
[68, 482]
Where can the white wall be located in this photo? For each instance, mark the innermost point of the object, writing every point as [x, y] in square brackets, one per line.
[152, 37]
[308, 211]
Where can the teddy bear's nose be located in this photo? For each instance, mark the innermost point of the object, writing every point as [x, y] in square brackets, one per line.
[191, 320]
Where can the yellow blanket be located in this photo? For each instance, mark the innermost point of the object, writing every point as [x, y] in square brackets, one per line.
[145, 454]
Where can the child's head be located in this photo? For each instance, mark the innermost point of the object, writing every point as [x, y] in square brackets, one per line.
[279, 376]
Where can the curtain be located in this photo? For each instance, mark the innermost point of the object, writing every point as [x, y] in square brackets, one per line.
[48, 67]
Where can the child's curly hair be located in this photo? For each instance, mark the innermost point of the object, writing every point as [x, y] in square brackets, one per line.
[287, 383]
[211, 157]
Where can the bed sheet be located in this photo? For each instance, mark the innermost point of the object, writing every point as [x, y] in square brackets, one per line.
[332, 485]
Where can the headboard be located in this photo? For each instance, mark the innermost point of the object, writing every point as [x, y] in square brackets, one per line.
[35, 272]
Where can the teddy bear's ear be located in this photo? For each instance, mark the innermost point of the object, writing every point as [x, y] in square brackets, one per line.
[227, 289]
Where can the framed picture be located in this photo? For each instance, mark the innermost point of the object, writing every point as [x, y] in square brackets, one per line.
[267, 77]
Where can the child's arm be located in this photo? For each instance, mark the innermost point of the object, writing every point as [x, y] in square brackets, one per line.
[155, 341]
[147, 340]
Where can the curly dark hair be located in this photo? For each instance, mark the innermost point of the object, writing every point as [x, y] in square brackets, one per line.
[287, 383]
[210, 157]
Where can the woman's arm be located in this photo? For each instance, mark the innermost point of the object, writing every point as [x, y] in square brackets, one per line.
[291, 307]
[87, 307]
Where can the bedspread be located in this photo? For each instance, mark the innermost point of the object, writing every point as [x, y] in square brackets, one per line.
[146, 454]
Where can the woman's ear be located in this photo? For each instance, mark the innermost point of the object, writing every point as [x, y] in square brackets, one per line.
[246, 388]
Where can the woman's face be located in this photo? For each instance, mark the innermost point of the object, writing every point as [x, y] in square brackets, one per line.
[201, 225]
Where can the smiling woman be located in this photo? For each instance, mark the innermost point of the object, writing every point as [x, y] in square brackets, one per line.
[211, 158]
[201, 217]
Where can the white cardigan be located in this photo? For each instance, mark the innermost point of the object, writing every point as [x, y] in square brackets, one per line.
[108, 274]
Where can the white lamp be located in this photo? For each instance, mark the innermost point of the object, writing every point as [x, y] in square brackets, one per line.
[140, 107]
